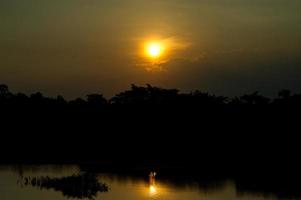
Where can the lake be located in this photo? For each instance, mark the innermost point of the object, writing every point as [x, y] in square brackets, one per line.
[56, 182]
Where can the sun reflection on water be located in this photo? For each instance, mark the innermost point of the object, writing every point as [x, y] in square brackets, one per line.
[152, 184]
[152, 190]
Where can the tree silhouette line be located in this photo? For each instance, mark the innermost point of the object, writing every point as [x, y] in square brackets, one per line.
[165, 124]
[147, 95]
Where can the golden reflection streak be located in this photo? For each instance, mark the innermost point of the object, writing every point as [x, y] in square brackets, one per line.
[152, 190]
[152, 184]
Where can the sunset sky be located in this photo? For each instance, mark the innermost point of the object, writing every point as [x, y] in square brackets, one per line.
[76, 47]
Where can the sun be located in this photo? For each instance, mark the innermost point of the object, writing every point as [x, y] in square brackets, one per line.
[154, 49]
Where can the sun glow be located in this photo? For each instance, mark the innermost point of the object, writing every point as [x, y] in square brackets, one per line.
[154, 49]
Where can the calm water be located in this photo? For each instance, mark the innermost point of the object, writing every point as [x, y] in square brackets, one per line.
[68, 182]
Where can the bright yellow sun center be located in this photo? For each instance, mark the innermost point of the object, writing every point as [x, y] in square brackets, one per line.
[154, 50]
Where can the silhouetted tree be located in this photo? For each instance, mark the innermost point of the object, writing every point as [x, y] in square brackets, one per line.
[96, 100]
[37, 98]
[5, 94]
[145, 95]
[78, 103]
[3, 90]
[285, 98]
[60, 99]
[204, 98]
[284, 94]
[252, 99]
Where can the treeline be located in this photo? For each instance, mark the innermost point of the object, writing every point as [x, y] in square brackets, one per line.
[148, 95]
[162, 124]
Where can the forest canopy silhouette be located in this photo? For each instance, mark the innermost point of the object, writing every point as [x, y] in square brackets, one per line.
[163, 124]
[147, 95]
[149, 105]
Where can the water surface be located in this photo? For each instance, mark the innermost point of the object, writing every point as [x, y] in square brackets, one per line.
[70, 182]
